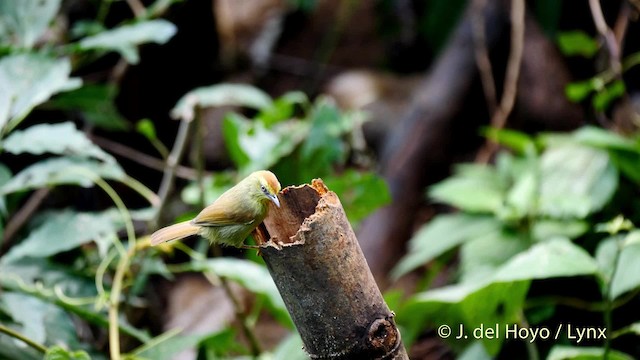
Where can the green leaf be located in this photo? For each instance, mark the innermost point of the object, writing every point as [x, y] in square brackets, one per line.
[291, 348]
[147, 129]
[575, 181]
[160, 348]
[442, 234]
[472, 188]
[125, 38]
[5, 176]
[59, 353]
[97, 104]
[253, 147]
[607, 255]
[60, 139]
[252, 276]
[65, 230]
[627, 273]
[579, 90]
[29, 312]
[609, 93]
[475, 352]
[360, 193]
[23, 22]
[604, 139]
[553, 258]
[27, 80]
[283, 108]
[324, 146]
[577, 43]
[483, 254]
[545, 229]
[220, 95]
[214, 186]
[62, 171]
[563, 352]
[518, 141]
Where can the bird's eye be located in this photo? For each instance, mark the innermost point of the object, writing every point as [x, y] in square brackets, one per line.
[264, 189]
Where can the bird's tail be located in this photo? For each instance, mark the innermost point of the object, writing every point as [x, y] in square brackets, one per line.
[174, 232]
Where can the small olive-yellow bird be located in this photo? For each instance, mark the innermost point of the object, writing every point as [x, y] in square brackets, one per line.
[233, 216]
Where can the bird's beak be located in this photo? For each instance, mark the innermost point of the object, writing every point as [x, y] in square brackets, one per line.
[275, 200]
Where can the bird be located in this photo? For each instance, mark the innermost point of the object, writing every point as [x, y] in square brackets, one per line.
[232, 217]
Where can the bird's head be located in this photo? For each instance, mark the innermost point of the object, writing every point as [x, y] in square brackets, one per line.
[268, 185]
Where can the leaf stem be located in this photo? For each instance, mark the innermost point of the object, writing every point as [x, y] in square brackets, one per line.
[26, 340]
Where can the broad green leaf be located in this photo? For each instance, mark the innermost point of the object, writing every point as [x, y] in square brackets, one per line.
[23, 22]
[606, 255]
[442, 234]
[27, 80]
[5, 176]
[59, 353]
[29, 312]
[252, 276]
[498, 303]
[483, 254]
[59, 139]
[253, 147]
[475, 351]
[324, 146]
[125, 38]
[577, 43]
[468, 304]
[97, 104]
[220, 95]
[563, 352]
[472, 188]
[283, 108]
[627, 273]
[169, 348]
[360, 193]
[62, 171]
[575, 181]
[553, 258]
[604, 139]
[545, 229]
[291, 348]
[603, 98]
[65, 230]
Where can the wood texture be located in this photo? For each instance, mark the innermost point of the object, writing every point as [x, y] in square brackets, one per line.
[319, 269]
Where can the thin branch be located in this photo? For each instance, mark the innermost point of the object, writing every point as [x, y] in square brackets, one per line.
[499, 118]
[137, 8]
[607, 35]
[482, 54]
[26, 340]
[144, 159]
[22, 216]
[170, 170]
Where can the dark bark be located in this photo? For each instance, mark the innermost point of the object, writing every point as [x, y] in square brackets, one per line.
[423, 141]
[316, 262]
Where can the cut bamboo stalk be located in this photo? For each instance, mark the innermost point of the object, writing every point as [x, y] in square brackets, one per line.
[316, 262]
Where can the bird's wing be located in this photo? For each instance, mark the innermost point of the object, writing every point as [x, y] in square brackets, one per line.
[224, 212]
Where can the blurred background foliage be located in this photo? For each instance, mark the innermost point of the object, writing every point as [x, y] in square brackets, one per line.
[543, 235]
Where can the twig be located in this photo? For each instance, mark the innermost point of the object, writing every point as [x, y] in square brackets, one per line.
[141, 158]
[482, 54]
[137, 8]
[499, 118]
[607, 35]
[26, 340]
[170, 170]
[22, 216]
